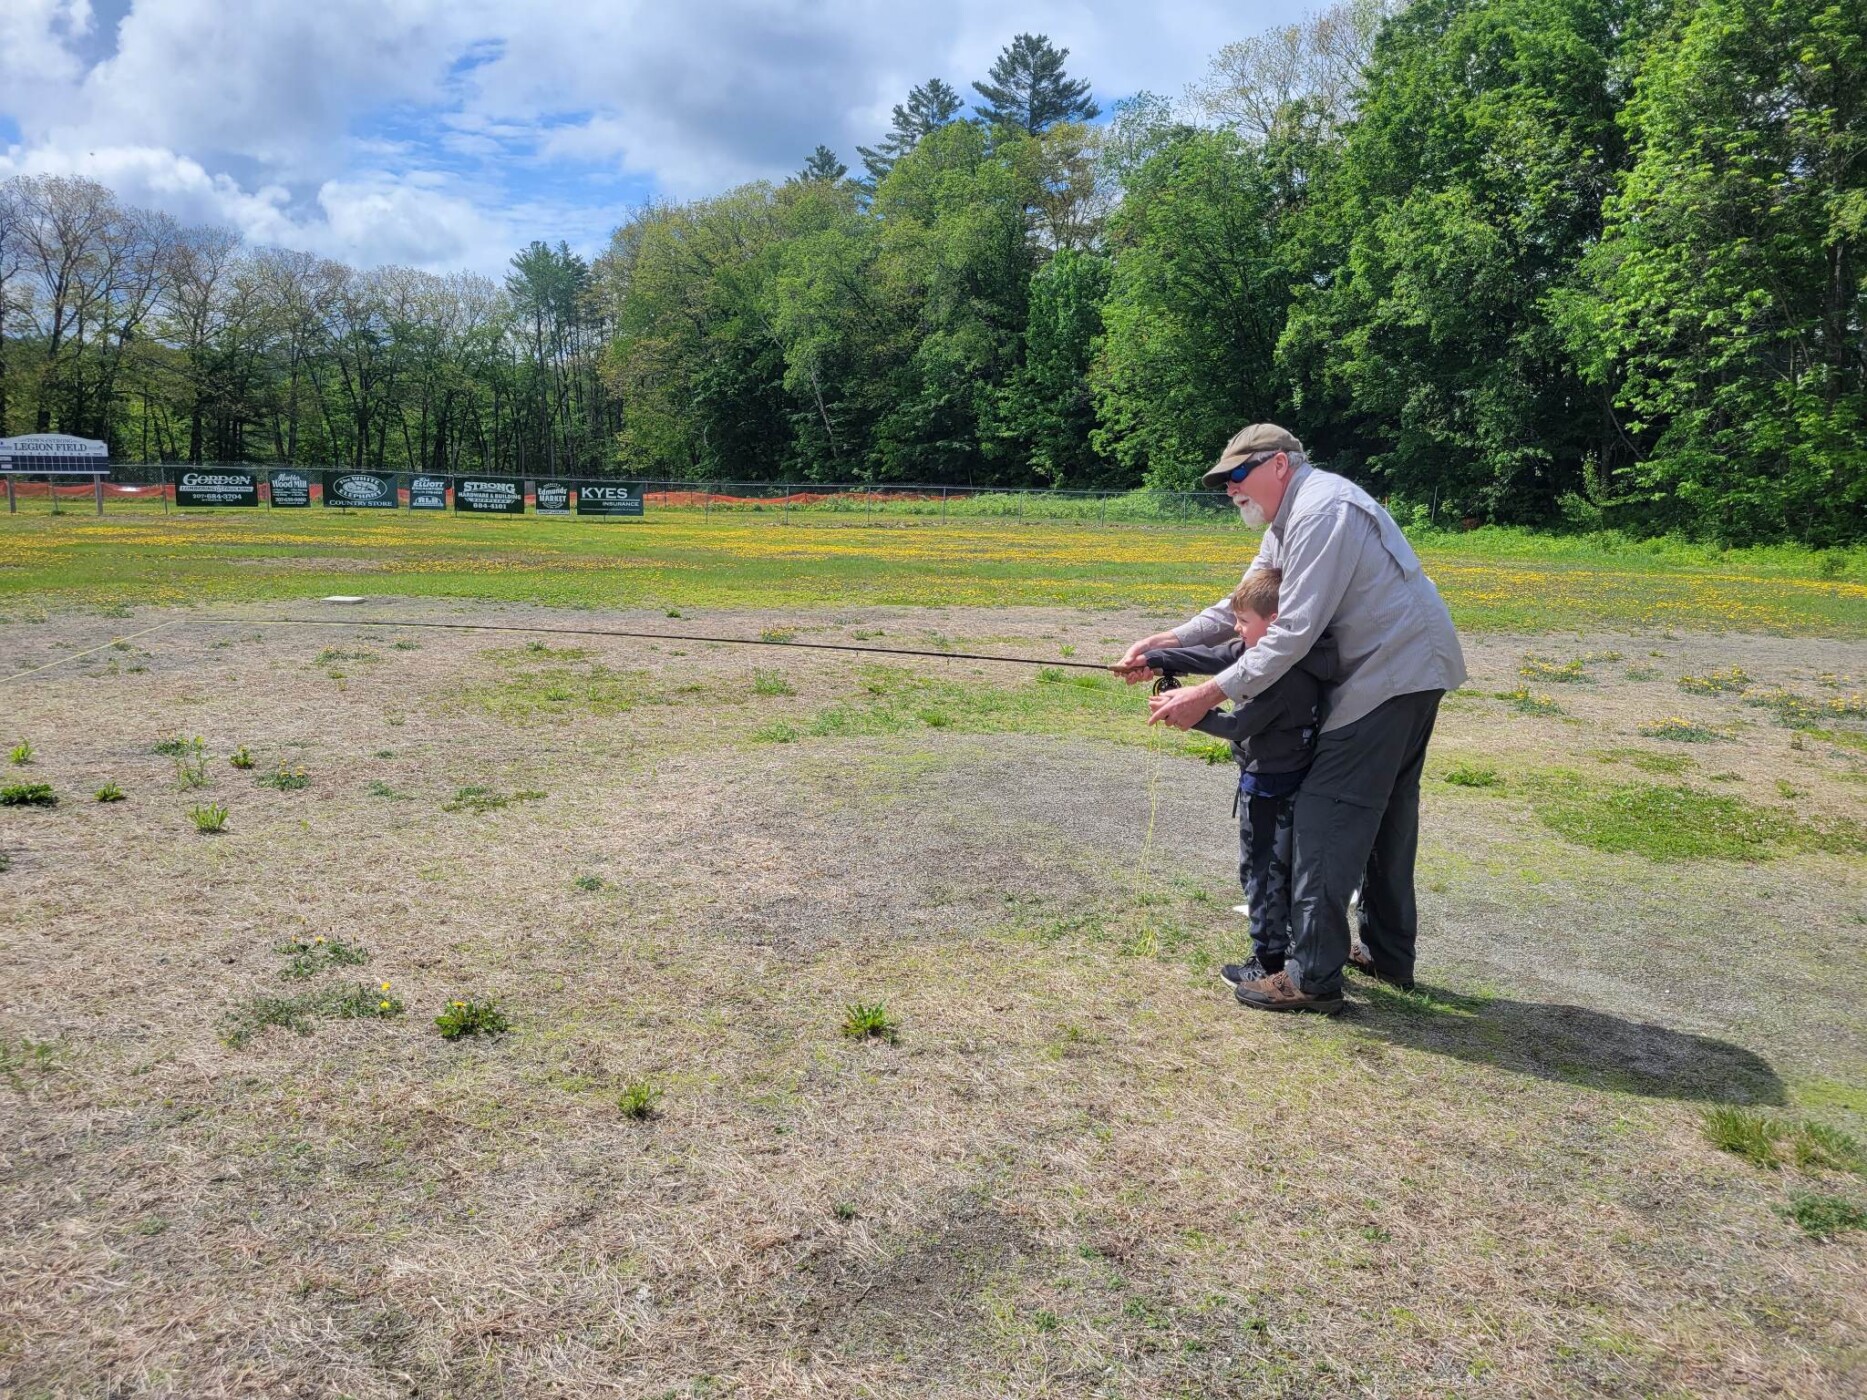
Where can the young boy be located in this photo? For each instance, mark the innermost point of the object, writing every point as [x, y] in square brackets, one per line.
[1273, 738]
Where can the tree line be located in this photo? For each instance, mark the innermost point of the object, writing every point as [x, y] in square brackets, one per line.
[1592, 262]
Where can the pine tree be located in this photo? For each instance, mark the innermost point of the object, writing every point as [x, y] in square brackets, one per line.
[1029, 89]
[930, 106]
[823, 165]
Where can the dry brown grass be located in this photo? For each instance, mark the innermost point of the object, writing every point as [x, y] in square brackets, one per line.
[1082, 1171]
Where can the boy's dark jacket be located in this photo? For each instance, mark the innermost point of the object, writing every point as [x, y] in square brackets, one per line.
[1274, 731]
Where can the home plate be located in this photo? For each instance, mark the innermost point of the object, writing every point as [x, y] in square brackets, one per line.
[341, 598]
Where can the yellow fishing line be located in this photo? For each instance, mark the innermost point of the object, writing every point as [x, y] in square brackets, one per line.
[76, 654]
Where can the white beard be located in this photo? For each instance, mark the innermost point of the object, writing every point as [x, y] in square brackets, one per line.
[1250, 512]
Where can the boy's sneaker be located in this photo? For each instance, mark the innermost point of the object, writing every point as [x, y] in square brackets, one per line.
[1251, 970]
[1362, 961]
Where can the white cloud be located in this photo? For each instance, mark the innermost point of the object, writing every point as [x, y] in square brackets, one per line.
[441, 132]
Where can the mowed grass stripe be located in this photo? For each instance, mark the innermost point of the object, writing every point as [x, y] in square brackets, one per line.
[687, 560]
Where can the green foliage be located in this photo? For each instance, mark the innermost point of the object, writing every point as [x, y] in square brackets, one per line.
[479, 799]
[1525, 702]
[190, 758]
[870, 1021]
[285, 778]
[471, 1017]
[1823, 1217]
[589, 884]
[1722, 306]
[1666, 823]
[209, 820]
[771, 684]
[638, 1099]
[241, 758]
[360, 1002]
[28, 795]
[1541, 668]
[1473, 775]
[21, 754]
[306, 957]
[1745, 1133]
[109, 792]
[1731, 682]
[1683, 731]
[1029, 91]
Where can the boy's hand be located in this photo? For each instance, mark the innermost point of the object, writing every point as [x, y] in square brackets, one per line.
[1133, 666]
[1182, 709]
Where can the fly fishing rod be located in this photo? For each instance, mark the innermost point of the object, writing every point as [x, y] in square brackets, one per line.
[653, 637]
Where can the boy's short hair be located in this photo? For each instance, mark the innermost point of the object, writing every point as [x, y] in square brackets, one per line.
[1258, 593]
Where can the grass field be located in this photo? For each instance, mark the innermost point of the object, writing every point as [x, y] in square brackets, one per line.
[861, 1033]
[1500, 581]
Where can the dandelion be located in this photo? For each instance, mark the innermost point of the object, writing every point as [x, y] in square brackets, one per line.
[460, 1003]
[382, 1005]
[385, 986]
[318, 939]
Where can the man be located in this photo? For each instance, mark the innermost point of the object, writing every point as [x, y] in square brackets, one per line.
[1346, 569]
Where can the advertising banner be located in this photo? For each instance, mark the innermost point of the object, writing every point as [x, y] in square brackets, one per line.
[216, 488]
[361, 490]
[291, 489]
[427, 493]
[489, 495]
[612, 498]
[551, 498]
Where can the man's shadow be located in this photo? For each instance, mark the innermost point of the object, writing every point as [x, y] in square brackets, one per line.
[1568, 1043]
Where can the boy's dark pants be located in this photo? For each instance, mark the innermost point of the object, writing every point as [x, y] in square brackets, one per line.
[1264, 839]
[1358, 821]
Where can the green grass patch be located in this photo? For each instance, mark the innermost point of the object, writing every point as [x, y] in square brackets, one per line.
[1824, 1217]
[21, 754]
[1681, 731]
[469, 1017]
[307, 957]
[870, 1021]
[557, 690]
[28, 795]
[1647, 761]
[297, 1014]
[109, 792]
[638, 1100]
[479, 799]
[1550, 672]
[1732, 682]
[1473, 775]
[1664, 823]
[1802, 711]
[1745, 1133]
[771, 684]
[210, 819]
[1525, 702]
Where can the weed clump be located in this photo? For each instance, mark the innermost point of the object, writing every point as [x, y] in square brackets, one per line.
[1745, 1133]
[1473, 775]
[285, 778]
[1682, 731]
[354, 1003]
[589, 884]
[1541, 668]
[28, 795]
[1824, 1217]
[21, 753]
[1732, 682]
[476, 799]
[1525, 702]
[771, 684]
[210, 820]
[309, 956]
[870, 1022]
[638, 1100]
[109, 792]
[241, 758]
[471, 1017]
[177, 747]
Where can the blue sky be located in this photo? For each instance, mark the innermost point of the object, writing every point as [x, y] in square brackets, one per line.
[447, 133]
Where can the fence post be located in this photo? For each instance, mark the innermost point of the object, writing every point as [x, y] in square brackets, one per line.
[1186, 501]
[784, 506]
[706, 500]
[97, 483]
[943, 491]
[162, 475]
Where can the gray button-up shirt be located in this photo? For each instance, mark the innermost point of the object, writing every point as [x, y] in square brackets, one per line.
[1348, 568]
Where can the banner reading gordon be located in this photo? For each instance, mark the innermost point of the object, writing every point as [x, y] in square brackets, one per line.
[216, 488]
[551, 498]
[489, 495]
[362, 490]
[427, 493]
[616, 498]
[290, 489]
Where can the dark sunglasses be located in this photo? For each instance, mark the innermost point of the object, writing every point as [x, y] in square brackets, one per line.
[1239, 473]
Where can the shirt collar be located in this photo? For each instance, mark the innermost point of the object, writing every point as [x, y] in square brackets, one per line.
[1282, 517]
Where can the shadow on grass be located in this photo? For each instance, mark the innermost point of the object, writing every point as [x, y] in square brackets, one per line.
[1572, 1044]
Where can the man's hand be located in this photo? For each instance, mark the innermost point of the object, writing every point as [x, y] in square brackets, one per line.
[1182, 709]
[1133, 666]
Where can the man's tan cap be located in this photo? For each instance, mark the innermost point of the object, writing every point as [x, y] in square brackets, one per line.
[1255, 441]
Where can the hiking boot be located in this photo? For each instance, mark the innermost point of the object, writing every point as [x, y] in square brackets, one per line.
[1250, 970]
[1362, 961]
[1278, 993]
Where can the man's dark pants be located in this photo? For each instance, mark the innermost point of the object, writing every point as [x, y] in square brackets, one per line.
[1358, 822]
[1265, 826]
